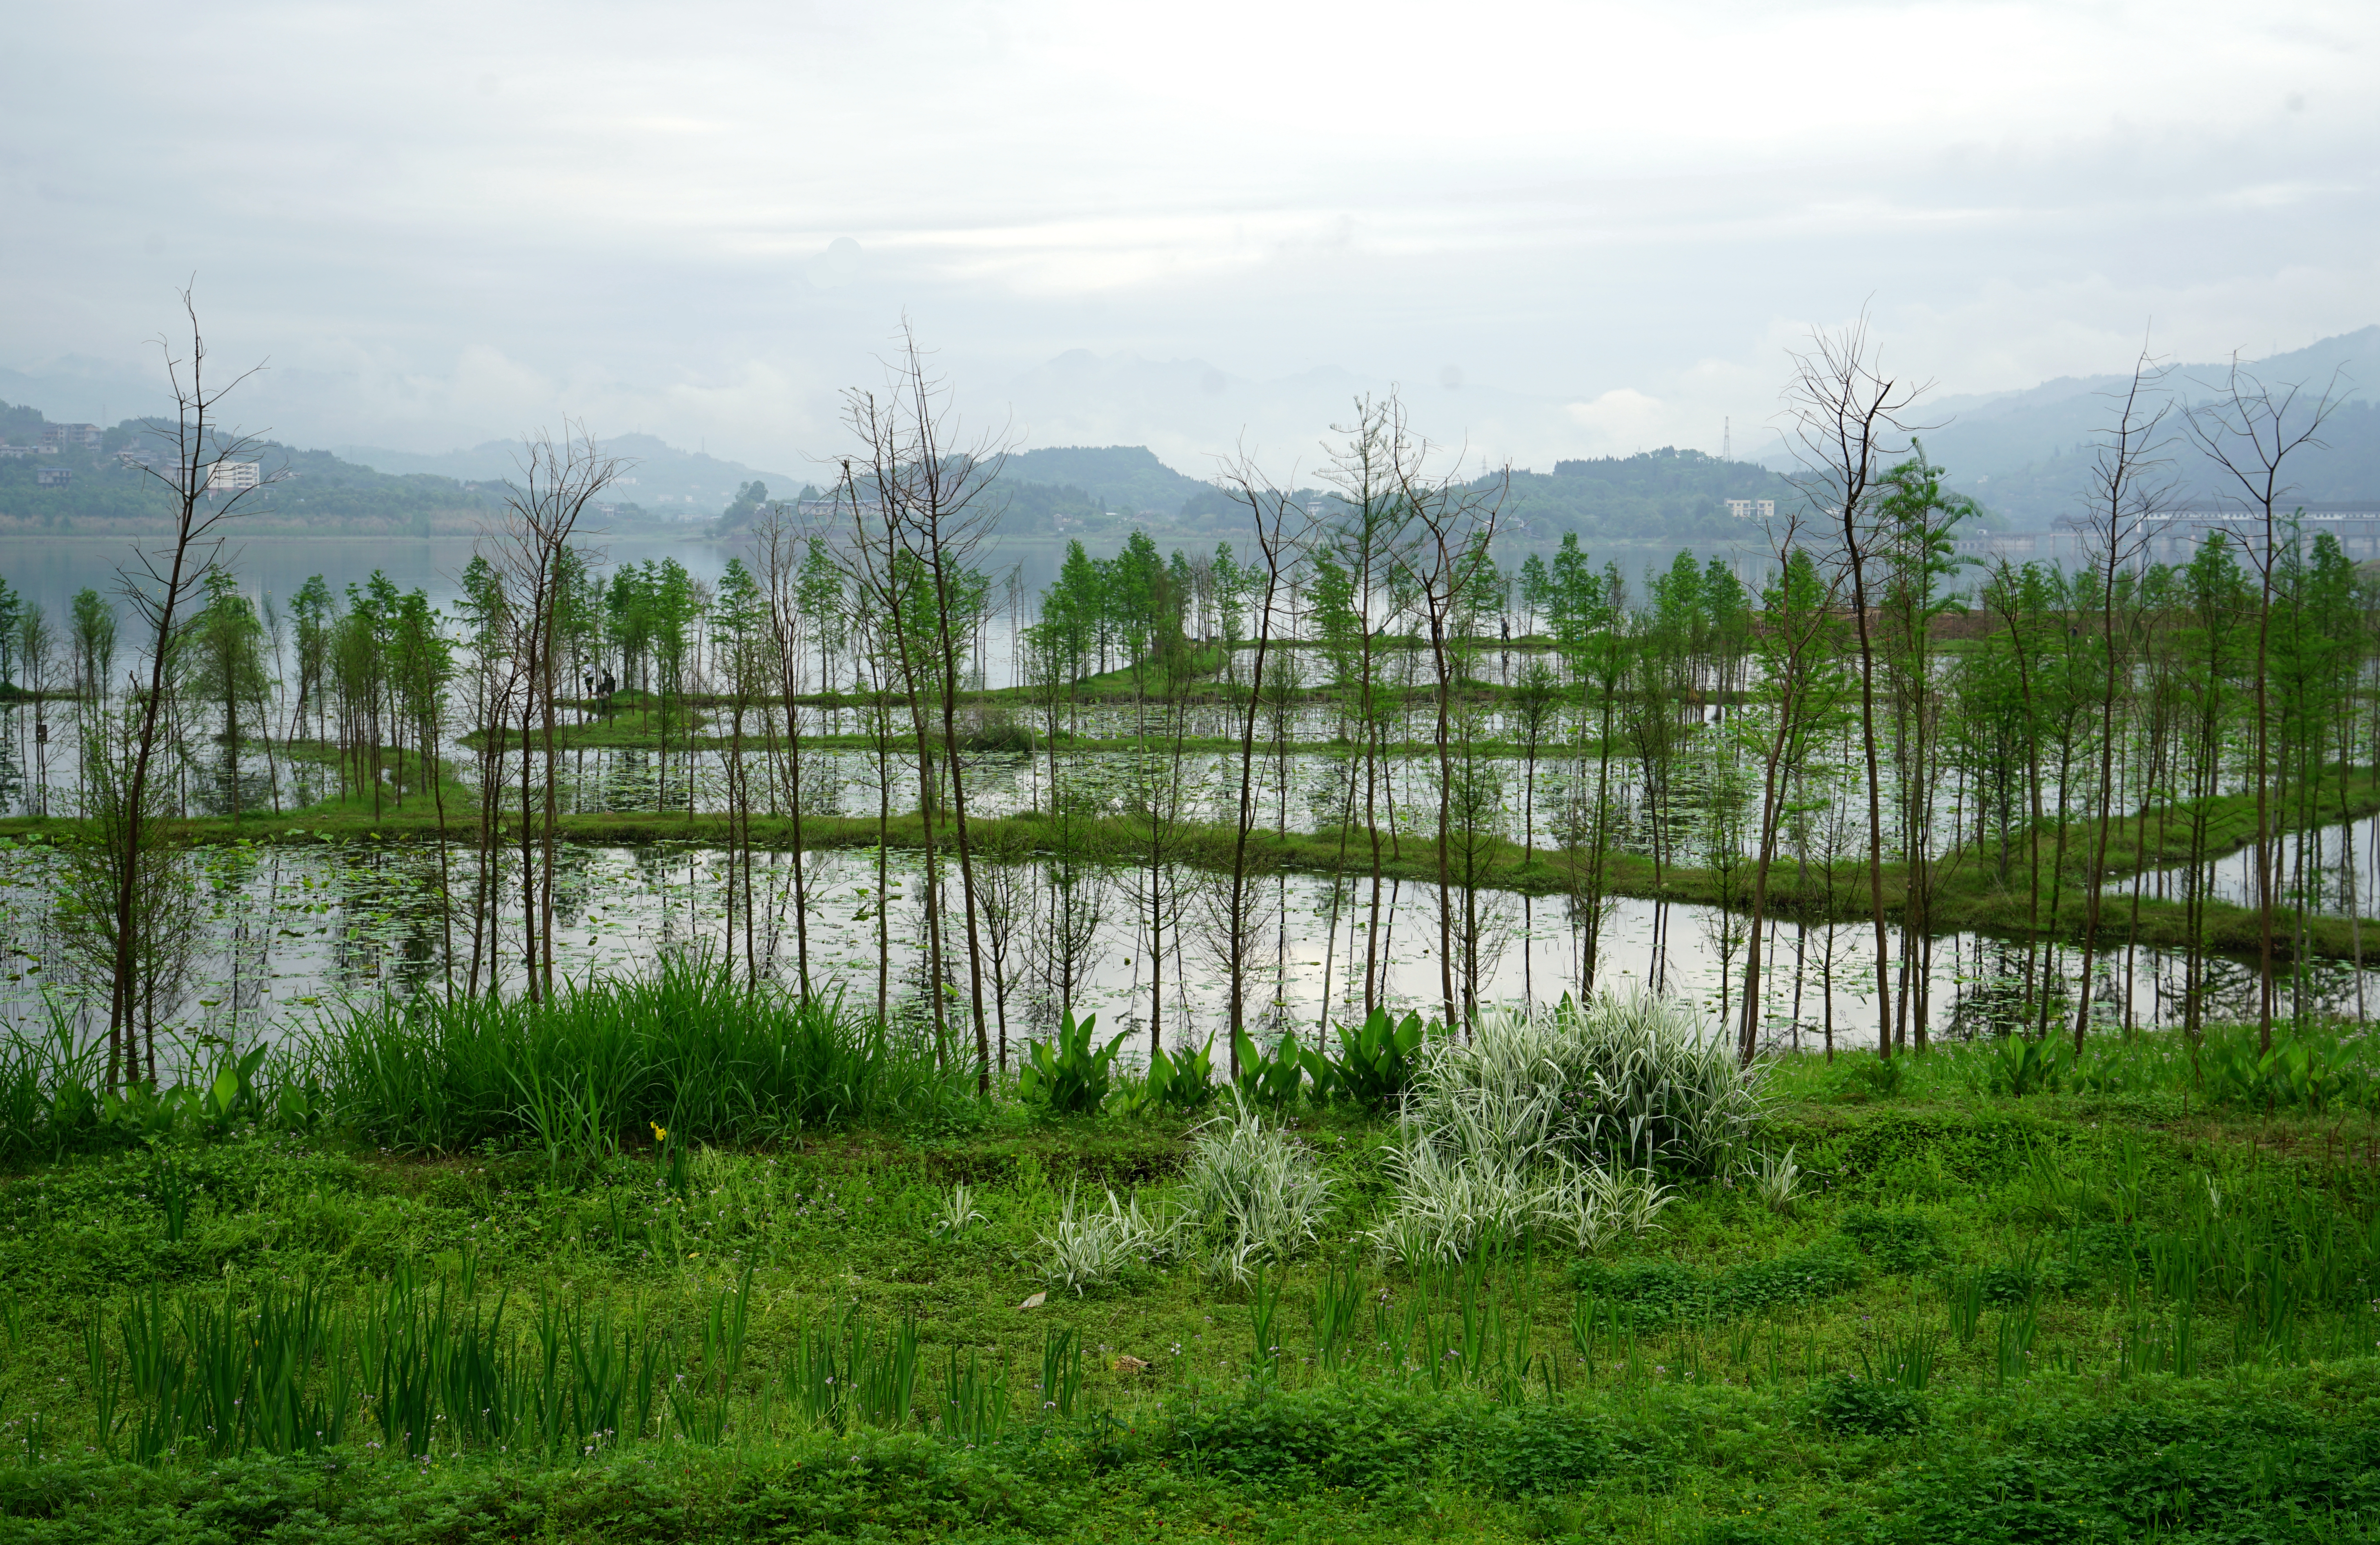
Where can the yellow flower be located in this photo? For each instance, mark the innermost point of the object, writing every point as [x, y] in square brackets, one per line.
[660, 1132]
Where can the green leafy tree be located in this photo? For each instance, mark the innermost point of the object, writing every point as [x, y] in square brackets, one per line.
[221, 652]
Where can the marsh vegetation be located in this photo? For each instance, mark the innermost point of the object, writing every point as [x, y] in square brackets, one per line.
[1335, 1036]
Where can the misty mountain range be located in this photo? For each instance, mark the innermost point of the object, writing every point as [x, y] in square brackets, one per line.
[2025, 455]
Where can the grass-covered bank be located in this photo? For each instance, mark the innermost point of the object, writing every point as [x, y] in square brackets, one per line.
[2290, 1457]
[1955, 1299]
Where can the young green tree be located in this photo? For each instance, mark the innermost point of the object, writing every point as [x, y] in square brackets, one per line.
[12, 608]
[1801, 682]
[92, 626]
[221, 654]
[2217, 645]
[1455, 522]
[1917, 549]
[1534, 700]
[739, 618]
[34, 642]
[422, 668]
[935, 508]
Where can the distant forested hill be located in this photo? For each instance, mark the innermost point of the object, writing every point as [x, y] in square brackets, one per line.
[74, 486]
[1664, 496]
[1660, 495]
[2344, 469]
[1126, 479]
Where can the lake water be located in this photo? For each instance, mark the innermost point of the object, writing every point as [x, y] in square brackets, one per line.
[293, 932]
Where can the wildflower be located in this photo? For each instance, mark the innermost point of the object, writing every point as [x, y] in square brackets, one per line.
[660, 1132]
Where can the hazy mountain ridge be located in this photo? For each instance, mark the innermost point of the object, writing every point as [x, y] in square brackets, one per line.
[2027, 454]
[660, 478]
[57, 483]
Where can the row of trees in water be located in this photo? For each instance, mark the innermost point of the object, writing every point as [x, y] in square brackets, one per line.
[1876, 706]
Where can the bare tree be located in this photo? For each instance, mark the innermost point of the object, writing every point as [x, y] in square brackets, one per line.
[1069, 935]
[1367, 548]
[1238, 910]
[933, 510]
[2126, 483]
[2248, 434]
[159, 583]
[1847, 421]
[529, 553]
[1010, 916]
[1457, 521]
[781, 579]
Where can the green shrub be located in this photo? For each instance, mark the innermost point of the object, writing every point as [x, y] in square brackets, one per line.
[1182, 1081]
[1268, 1077]
[1070, 1075]
[1370, 1439]
[1656, 1292]
[1801, 1277]
[1632, 1083]
[1898, 1241]
[1250, 1193]
[1374, 1063]
[1878, 1407]
[1869, 1078]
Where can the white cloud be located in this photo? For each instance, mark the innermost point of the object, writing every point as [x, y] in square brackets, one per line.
[460, 221]
[1622, 422]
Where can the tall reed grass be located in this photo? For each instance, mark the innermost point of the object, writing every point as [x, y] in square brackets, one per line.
[686, 1049]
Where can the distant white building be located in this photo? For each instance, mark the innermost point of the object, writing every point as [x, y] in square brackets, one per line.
[839, 509]
[86, 435]
[231, 477]
[1753, 509]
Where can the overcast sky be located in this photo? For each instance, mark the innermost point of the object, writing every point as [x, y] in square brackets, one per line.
[1564, 229]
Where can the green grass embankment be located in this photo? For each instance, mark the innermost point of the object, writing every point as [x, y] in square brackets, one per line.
[2109, 1313]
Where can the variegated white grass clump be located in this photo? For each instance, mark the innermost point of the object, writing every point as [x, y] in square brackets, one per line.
[956, 1213]
[1449, 1203]
[1776, 1180]
[1556, 1123]
[1585, 1205]
[1090, 1245]
[1250, 1193]
[1635, 1079]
